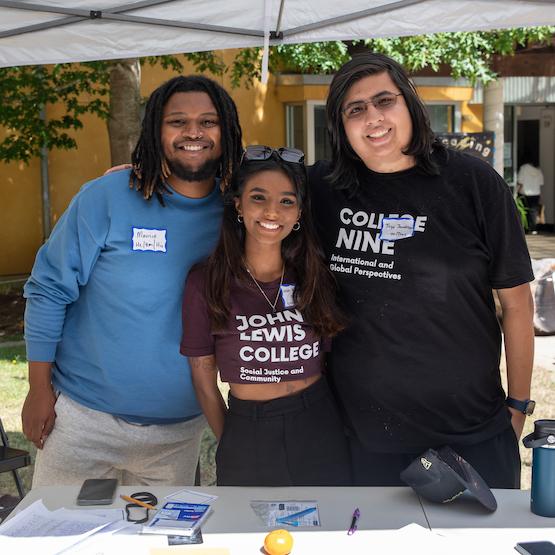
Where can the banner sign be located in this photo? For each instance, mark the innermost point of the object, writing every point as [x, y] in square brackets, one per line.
[477, 144]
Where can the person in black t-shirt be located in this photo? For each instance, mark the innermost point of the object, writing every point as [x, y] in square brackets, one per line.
[417, 237]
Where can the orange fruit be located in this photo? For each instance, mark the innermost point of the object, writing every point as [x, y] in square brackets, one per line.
[278, 542]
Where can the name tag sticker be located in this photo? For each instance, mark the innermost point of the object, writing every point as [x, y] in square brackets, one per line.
[287, 295]
[149, 239]
[394, 229]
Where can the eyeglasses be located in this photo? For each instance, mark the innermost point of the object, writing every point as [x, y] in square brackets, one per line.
[382, 103]
[261, 152]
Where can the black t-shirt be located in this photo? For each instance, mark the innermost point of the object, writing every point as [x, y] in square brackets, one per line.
[416, 258]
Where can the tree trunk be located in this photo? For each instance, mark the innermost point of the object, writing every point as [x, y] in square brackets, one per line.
[124, 123]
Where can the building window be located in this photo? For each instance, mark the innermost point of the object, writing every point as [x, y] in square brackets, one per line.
[322, 147]
[306, 129]
[294, 126]
[444, 118]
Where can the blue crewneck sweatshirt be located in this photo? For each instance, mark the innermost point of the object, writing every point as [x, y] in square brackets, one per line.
[104, 298]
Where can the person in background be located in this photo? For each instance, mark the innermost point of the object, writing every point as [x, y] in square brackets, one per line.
[529, 183]
[261, 312]
[418, 237]
[109, 394]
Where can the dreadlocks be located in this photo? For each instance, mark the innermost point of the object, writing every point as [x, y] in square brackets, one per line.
[150, 167]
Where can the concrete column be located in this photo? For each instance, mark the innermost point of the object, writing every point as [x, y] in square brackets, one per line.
[493, 119]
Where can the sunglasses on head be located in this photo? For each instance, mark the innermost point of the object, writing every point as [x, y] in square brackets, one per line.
[261, 152]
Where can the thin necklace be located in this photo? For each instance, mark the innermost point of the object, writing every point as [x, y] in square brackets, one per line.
[274, 304]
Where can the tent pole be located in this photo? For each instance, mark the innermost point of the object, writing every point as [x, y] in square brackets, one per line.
[114, 14]
[280, 15]
[45, 186]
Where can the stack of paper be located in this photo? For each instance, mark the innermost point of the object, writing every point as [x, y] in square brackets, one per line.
[177, 518]
[38, 530]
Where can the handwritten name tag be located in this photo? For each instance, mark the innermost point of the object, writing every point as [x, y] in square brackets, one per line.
[149, 239]
[394, 229]
[287, 295]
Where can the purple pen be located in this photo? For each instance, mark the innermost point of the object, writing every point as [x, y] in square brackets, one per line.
[353, 528]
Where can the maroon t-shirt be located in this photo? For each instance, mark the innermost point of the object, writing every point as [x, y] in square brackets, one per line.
[257, 345]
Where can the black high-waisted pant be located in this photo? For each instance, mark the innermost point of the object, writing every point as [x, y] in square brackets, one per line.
[297, 440]
[497, 460]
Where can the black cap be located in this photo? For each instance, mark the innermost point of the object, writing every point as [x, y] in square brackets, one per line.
[442, 475]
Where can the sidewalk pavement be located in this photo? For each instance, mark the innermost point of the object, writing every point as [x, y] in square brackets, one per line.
[541, 245]
[544, 355]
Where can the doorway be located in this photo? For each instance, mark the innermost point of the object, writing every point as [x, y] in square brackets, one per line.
[528, 149]
[535, 136]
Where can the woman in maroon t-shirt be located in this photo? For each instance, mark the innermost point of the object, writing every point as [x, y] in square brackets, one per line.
[261, 310]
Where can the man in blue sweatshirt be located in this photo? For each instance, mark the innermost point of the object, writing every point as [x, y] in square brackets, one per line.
[110, 395]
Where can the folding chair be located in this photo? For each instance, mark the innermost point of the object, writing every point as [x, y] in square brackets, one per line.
[11, 459]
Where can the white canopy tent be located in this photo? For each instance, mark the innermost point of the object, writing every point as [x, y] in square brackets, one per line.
[53, 31]
[56, 31]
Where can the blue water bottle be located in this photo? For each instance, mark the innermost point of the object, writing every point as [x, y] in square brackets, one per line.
[542, 440]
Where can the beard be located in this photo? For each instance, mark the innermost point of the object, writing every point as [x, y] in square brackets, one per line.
[185, 173]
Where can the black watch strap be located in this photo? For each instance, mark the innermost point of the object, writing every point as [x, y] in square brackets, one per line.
[525, 407]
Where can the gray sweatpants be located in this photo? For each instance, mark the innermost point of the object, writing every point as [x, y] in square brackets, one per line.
[86, 443]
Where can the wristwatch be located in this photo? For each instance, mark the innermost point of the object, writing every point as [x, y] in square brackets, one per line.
[525, 407]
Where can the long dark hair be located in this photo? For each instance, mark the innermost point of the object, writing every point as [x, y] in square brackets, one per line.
[148, 158]
[345, 160]
[302, 256]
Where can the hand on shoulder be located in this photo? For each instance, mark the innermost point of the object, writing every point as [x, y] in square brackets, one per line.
[118, 168]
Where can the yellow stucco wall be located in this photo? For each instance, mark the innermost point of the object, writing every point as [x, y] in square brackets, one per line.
[262, 114]
[300, 93]
[20, 216]
[471, 114]
[263, 121]
[473, 117]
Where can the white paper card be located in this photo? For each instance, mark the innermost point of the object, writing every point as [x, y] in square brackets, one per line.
[149, 239]
[190, 496]
[394, 229]
[287, 513]
[287, 295]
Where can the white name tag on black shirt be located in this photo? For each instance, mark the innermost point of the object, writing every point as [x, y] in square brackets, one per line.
[394, 229]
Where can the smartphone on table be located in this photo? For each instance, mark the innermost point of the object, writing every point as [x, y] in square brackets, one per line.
[97, 491]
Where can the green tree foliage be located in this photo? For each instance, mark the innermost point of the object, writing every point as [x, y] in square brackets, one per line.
[81, 88]
[469, 54]
[84, 88]
[316, 57]
[26, 90]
